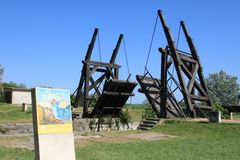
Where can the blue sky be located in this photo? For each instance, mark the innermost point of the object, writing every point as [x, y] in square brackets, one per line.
[43, 42]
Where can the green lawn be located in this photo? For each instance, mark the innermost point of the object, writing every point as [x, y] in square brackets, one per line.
[201, 141]
[15, 154]
[236, 116]
[12, 113]
[194, 141]
[136, 111]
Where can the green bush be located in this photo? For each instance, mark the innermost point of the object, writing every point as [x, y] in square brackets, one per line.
[218, 107]
[108, 121]
[125, 118]
[117, 123]
[149, 113]
[4, 130]
[92, 125]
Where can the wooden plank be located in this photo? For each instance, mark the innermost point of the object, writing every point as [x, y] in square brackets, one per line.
[189, 75]
[103, 64]
[112, 107]
[192, 80]
[117, 93]
[199, 98]
[195, 56]
[186, 58]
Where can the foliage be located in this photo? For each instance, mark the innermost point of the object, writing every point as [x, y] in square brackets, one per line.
[223, 88]
[1, 94]
[146, 102]
[3, 130]
[125, 118]
[92, 125]
[72, 99]
[236, 116]
[224, 112]
[109, 122]
[148, 113]
[12, 84]
[1, 73]
[117, 123]
[135, 106]
[9, 85]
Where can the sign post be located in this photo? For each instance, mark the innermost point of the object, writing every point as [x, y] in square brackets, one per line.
[52, 121]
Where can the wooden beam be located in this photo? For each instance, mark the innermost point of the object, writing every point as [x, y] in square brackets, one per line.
[103, 64]
[177, 63]
[192, 80]
[199, 98]
[117, 93]
[197, 85]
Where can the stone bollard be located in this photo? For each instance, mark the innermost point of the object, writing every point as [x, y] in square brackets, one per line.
[215, 116]
[231, 115]
[24, 107]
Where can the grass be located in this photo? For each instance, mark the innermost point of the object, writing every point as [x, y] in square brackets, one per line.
[193, 141]
[201, 141]
[236, 116]
[136, 111]
[12, 113]
[15, 154]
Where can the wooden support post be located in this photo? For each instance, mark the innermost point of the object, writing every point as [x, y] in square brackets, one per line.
[86, 91]
[83, 75]
[177, 63]
[163, 90]
[195, 56]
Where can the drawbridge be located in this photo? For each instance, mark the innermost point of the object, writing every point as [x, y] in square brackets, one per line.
[109, 99]
[189, 80]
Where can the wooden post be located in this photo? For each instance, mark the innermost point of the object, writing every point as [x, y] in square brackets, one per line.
[24, 107]
[163, 90]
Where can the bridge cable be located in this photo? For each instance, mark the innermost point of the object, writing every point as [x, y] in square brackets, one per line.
[128, 68]
[150, 47]
[126, 56]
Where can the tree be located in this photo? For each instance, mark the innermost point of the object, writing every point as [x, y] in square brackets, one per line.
[224, 88]
[12, 84]
[1, 73]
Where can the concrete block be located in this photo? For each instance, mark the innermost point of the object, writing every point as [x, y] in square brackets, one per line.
[24, 107]
[215, 117]
[56, 147]
[231, 115]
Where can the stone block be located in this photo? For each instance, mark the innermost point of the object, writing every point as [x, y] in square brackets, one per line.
[215, 117]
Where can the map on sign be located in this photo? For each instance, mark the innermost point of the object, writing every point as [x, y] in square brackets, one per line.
[53, 109]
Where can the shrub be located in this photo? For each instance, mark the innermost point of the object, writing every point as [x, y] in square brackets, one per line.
[218, 107]
[117, 123]
[108, 121]
[92, 125]
[125, 118]
[149, 113]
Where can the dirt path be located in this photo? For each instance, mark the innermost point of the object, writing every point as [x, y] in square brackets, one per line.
[125, 138]
[26, 141]
[206, 120]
